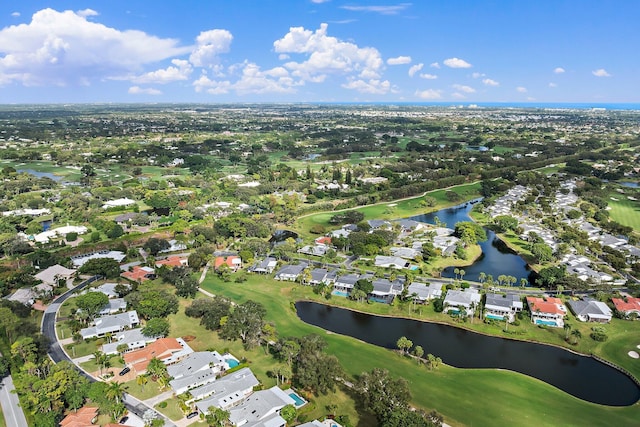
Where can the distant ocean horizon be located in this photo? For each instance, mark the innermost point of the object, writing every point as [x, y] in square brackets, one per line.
[609, 106]
[534, 105]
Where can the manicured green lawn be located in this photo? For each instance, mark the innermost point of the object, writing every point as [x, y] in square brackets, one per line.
[488, 397]
[625, 211]
[172, 410]
[150, 389]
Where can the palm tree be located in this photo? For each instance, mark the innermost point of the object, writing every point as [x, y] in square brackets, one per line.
[482, 277]
[114, 391]
[462, 273]
[99, 357]
[576, 335]
[142, 380]
[567, 329]
[559, 289]
[501, 279]
[456, 271]
[523, 282]
[418, 351]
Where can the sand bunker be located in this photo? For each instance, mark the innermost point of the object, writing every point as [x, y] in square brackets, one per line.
[633, 354]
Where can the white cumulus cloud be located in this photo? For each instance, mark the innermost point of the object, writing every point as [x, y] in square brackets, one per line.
[477, 75]
[601, 72]
[372, 86]
[434, 65]
[428, 76]
[137, 90]
[429, 94]
[251, 80]
[15, 14]
[521, 89]
[64, 48]
[490, 82]
[181, 70]
[400, 60]
[463, 88]
[558, 70]
[456, 63]
[415, 68]
[327, 55]
[209, 45]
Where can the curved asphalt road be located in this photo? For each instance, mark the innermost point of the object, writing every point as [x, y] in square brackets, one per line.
[57, 354]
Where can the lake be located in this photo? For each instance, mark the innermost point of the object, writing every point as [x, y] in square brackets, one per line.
[40, 174]
[496, 258]
[580, 376]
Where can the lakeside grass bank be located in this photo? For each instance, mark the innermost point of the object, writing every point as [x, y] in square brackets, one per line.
[489, 397]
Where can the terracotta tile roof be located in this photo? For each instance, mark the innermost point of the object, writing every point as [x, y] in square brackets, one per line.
[231, 261]
[161, 349]
[548, 305]
[631, 304]
[137, 274]
[83, 417]
[172, 261]
[324, 240]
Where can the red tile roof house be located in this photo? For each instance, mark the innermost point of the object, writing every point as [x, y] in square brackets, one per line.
[548, 311]
[628, 306]
[233, 262]
[172, 261]
[162, 349]
[139, 274]
[324, 240]
[83, 417]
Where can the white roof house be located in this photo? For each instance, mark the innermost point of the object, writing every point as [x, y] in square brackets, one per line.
[196, 369]
[261, 408]
[425, 292]
[133, 338]
[457, 299]
[390, 262]
[53, 274]
[110, 324]
[225, 392]
[117, 203]
[45, 236]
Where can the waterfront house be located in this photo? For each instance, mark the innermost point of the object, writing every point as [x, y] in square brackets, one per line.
[262, 408]
[234, 262]
[628, 306]
[322, 275]
[385, 291]
[457, 300]
[423, 292]
[547, 311]
[499, 306]
[266, 266]
[290, 272]
[344, 284]
[590, 310]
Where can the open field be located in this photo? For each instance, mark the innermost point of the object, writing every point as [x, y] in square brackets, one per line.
[625, 211]
[490, 397]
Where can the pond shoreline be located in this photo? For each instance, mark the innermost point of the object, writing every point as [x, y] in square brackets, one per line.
[543, 361]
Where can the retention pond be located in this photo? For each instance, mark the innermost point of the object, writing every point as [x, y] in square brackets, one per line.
[580, 376]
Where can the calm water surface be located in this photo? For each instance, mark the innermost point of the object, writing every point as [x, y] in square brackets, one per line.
[580, 376]
[496, 258]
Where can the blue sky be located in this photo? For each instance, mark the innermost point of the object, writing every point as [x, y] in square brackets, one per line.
[320, 51]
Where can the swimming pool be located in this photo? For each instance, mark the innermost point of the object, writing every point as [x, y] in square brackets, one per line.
[494, 317]
[546, 322]
[299, 401]
[232, 363]
[340, 293]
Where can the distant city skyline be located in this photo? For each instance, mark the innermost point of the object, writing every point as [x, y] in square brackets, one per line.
[320, 51]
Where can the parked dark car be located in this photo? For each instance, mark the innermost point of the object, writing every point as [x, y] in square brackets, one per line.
[192, 414]
[125, 371]
[123, 420]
